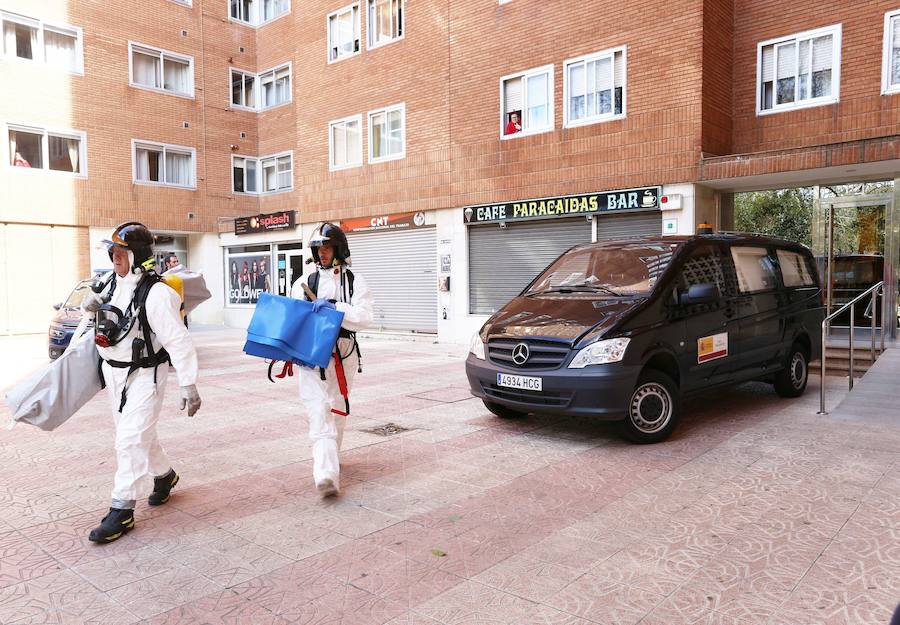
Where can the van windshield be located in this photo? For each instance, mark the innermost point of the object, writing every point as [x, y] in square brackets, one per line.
[624, 269]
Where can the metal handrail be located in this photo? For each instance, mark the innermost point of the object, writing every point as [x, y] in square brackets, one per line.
[826, 326]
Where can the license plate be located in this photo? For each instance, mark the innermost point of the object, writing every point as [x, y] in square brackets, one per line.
[522, 382]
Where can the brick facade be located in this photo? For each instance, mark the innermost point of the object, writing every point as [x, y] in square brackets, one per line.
[690, 89]
[690, 105]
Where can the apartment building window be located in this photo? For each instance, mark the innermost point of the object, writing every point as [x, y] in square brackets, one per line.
[243, 89]
[345, 143]
[276, 86]
[385, 21]
[276, 173]
[526, 102]
[242, 10]
[594, 88]
[261, 91]
[387, 134]
[244, 174]
[52, 150]
[271, 174]
[161, 70]
[57, 45]
[343, 33]
[799, 71]
[890, 81]
[161, 164]
[274, 8]
[257, 12]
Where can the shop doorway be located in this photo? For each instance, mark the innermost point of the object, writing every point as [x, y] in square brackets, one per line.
[290, 269]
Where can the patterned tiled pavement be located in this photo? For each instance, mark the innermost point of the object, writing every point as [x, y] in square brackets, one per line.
[756, 512]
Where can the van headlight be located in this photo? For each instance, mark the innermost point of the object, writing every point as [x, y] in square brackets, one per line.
[600, 353]
[477, 347]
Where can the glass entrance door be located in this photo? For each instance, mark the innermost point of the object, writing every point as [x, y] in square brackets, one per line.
[290, 269]
[855, 241]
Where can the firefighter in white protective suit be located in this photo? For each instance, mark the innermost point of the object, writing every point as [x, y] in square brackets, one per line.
[325, 392]
[138, 332]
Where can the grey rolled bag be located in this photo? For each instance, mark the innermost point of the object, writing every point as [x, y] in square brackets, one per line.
[49, 397]
[195, 290]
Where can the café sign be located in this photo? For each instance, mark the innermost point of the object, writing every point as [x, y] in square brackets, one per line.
[640, 199]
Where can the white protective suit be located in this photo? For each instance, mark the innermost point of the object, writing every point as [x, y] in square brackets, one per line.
[319, 397]
[138, 452]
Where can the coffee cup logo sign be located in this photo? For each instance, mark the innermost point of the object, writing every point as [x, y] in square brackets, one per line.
[641, 199]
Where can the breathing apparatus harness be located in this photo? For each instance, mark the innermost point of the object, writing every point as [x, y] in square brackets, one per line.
[113, 325]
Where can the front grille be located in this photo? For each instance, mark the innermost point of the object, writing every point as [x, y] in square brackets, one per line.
[541, 354]
[535, 398]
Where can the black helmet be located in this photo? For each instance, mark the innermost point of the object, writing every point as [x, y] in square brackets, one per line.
[329, 234]
[133, 237]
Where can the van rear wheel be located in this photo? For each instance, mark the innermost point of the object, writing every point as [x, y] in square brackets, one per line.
[502, 411]
[653, 409]
[791, 380]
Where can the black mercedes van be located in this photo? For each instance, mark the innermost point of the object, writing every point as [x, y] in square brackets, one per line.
[623, 330]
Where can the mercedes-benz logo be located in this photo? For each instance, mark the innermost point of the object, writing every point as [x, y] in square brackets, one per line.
[520, 354]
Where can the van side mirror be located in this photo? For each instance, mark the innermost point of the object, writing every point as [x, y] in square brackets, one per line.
[700, 294]
[57, 306]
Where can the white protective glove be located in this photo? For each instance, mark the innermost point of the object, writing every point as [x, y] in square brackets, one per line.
[92, 302]
[190, 398]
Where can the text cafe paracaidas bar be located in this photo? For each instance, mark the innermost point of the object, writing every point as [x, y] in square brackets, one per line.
[532, 233]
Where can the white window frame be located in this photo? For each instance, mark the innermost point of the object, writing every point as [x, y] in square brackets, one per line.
[256, 176]
[545, 69]
[370, 29]
[134, 46]
[886, 87]
[336, 122]
[255, 19]
[259, 173]
[388, 109]
[357, 34]
[163, 147]
[835, 31]
[597, 119]
[186, 3]
[276, 157]
[40, 57]
[45, 133]
[273, 71]
[255, 105]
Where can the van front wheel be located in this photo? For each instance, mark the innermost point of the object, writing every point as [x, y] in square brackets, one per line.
[791, 380]
[653, 410]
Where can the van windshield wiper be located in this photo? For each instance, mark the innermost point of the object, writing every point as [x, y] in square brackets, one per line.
[579, 288]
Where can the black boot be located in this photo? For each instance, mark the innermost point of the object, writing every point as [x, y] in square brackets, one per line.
[113, 526]
[162, 486]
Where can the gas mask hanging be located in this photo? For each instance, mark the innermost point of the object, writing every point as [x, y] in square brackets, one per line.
[112, 325]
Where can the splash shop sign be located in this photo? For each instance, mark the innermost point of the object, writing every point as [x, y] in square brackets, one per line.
[642, 199]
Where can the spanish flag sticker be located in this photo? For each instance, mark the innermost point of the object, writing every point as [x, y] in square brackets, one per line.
[712, 347]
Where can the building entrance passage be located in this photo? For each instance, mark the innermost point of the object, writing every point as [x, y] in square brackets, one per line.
[856, 243]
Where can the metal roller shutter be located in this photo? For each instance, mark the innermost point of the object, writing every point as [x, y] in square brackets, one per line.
[400, 269]
[502, 261]
[629, 225]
